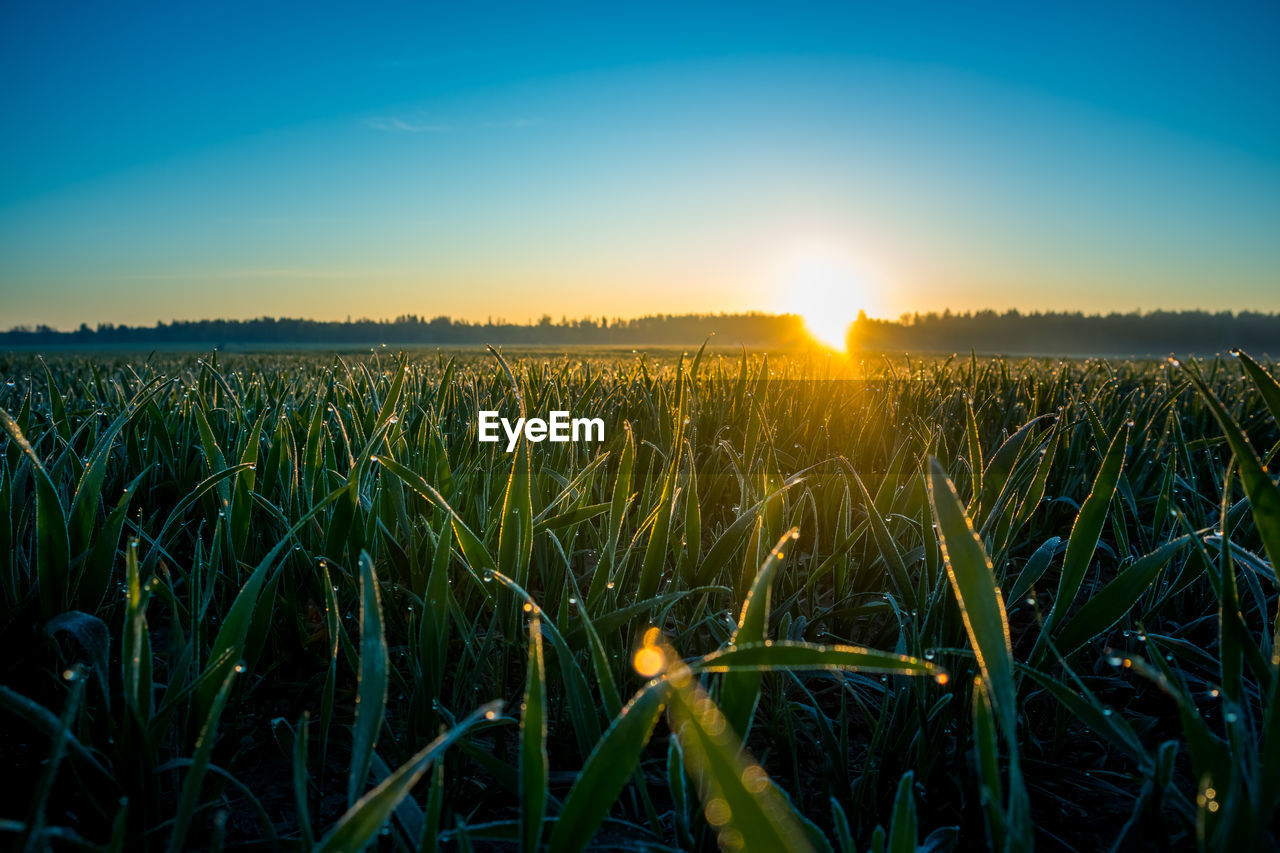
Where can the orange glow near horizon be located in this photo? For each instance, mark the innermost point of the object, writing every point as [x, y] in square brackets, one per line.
[827, 289]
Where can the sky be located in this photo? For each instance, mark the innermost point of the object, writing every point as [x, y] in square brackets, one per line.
[182, 161]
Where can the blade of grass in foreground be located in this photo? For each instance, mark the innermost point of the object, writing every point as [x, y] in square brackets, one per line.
[986, 753]
[235, 625]
[983, 611]
[1263, 494]
[1264, 382]
[199, 765]
[785, 655]
[974, 583]
[608, 768]
[362, 821]
[738, 799]
[740, 691]
[1264, 501]
[1108, 605]
[533, 741]
[1087, 529]
[371, 693]
[886, 544]
[904, 829]
[53, 547]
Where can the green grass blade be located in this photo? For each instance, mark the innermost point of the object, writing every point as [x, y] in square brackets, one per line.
[1264, 382]
[974, 584]
[1264, 496]
[199, 765]
[987, 754]
[788, 655]
[533, 743]
[887, 546]
[53, 546]
[740, 690]
[740, 804]
[371, 688]
[904, 830]
[362, 822]
[608, 768]
[1088, 529]
[1109, 605]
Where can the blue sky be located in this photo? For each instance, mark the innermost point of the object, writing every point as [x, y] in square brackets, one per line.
[318, 160]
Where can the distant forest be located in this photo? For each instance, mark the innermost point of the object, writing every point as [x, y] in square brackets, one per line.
[1011, 332]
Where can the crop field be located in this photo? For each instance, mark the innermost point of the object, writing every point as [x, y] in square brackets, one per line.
[292, 602]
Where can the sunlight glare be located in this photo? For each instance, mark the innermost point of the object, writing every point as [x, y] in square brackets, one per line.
[828, 291]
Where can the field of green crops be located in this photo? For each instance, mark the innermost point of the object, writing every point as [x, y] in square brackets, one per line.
[290, 602]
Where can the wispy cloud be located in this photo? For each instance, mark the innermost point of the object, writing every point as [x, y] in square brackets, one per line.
[406, 125]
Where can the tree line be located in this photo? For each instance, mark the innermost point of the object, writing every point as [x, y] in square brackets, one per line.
[1155, 333]
[1009, 332]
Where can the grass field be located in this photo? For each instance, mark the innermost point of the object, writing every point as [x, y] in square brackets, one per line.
[290, 600]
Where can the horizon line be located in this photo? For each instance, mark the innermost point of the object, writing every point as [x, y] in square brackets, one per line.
[568, 320]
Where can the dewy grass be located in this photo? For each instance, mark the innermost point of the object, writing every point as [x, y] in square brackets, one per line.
[295, 600]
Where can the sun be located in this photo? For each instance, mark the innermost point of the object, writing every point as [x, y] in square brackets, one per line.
[827, 289]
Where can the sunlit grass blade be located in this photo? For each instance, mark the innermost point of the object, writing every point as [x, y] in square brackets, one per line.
[974, 584]
[53, 547]
[1264, 382]
[738, 799]
[789, 655]
[533, 741]
[740, 691]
